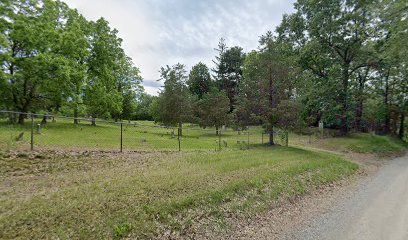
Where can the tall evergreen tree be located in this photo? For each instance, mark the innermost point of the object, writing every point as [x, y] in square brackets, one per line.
[175, 101]
[265, 84]
[213, 109]
[199, 80]
[228, 70]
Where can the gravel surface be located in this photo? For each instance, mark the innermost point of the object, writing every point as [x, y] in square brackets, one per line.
[376, 209]
[373, 204]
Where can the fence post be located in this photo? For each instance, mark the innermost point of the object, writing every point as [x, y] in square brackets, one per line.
[248, 139]
[32, 132]
[178, 138]
[121, 137]
[219, 140]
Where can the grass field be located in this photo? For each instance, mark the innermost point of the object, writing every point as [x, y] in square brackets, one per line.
[143, 195]
[63, 134]
[105, 136]
[155, 190]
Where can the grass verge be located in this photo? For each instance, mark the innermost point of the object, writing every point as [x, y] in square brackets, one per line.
[367, 143]
[148, 194]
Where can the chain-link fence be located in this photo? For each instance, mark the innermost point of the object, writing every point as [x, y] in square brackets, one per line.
[49, 132]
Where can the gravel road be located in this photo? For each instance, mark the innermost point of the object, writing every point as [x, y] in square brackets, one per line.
[377, 209]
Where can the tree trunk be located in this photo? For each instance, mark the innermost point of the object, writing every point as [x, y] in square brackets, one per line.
[180, 129]
[344, 99]
[360, 100]
[387, 120]
[359, 115]
[272, 96]
[21, 118]
[401, 130]
[44, 120]
[271, 141]
[76, 115]
[13, 118]
[93, 122]
[272, 103]
[394, 123]
[216, 131]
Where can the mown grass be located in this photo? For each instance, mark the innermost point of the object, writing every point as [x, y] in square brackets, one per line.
[64, 134]
[144, 195]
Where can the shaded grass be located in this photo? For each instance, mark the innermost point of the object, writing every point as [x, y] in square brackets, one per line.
[142, 195]
[367, 143]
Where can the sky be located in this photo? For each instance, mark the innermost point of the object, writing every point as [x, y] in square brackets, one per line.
[157, 33]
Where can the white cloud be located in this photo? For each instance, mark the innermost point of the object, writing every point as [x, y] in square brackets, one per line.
[157, 33]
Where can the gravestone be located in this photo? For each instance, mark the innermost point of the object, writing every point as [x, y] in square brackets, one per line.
[321, 126]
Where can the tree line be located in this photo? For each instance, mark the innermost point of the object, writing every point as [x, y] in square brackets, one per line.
[54, 60]
[343, 63]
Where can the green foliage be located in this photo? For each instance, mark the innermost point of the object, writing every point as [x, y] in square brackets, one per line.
[174, 104]
[347, 51]
[154, 109]
[112, 77]
[53, 58]
[394, 22]
[199, 80]
[286, 115]
[143, 107]
[331, 46]
[252, 102]
[32, 67]
[267, 81]
[213, 109]
[121, 230]
[344, 62]
[228, 69]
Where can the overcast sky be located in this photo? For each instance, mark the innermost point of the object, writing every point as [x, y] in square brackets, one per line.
[156, 33]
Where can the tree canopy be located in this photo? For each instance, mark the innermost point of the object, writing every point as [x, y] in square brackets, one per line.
[343, 63]
[53, 59]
